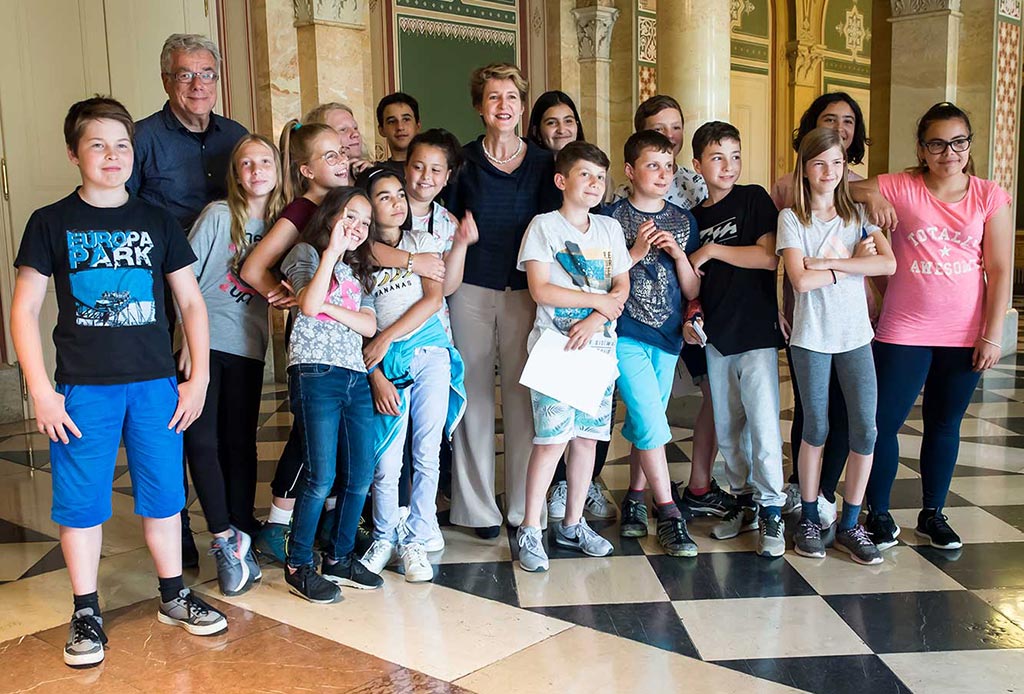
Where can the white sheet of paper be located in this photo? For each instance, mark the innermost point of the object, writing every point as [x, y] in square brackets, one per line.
[578, 378]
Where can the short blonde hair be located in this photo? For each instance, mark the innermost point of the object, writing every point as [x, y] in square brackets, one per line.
[319, 113]
[495, 71]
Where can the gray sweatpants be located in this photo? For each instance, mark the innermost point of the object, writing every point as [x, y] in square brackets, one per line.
[856, 373]
[745, 399]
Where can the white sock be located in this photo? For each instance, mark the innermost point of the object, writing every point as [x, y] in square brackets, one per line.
[279, 515]
[331, 503]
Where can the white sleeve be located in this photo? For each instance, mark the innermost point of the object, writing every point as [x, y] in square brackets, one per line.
[535, 245]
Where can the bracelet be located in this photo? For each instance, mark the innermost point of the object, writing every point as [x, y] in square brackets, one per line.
[834, 278]
[994, 344]
[408, 264]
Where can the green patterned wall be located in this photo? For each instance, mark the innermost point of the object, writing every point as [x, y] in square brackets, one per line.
[847, 35]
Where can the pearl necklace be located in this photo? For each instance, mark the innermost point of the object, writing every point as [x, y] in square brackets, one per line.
[502, 162]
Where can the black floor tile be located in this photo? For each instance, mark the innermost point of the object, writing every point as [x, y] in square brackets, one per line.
[655, 624]
[609, 530]
[716, 575]
[11, 532]
[491, 580]
[833, 674]
[906, 493]
[975, 566]
[51, 561]
[1014, 424]
[36, 458]
[1014, 515]
[926, 622]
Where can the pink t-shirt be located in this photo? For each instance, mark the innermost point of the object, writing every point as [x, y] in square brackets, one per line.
[936, 298]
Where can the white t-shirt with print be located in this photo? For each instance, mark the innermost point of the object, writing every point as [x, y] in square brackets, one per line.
[439, 224]
[395, 290]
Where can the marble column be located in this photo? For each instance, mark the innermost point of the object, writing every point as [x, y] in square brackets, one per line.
[694, 60]
[594, 26]
[334, 56]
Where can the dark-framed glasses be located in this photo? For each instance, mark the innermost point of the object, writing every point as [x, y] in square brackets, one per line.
[960, 144]
[185, 77]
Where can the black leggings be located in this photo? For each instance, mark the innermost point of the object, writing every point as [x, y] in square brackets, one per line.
[221, 444]
[837, 443]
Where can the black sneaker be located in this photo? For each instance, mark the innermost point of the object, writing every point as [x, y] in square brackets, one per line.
[488, 532]
[882, 529]
[307, 583]
[714, 502]
[192, 614]
[674, 539]
[634, 518]
[189, 551]
[807, 540]
[86, 638]
[934, 526]
[364, 537]
[349, 571]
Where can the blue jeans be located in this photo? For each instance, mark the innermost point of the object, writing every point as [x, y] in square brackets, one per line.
[948, 381]
[337, 441]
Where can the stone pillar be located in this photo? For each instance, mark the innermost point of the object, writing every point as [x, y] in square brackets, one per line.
[925, 55]
[562, 58]
[334, 56]
[694, 60]
[594, 36]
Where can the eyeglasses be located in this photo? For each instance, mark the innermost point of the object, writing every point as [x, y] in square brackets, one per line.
[185, 77]
[331, 158]
[960, 144]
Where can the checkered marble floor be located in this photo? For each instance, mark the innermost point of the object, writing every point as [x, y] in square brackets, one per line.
[923, 621]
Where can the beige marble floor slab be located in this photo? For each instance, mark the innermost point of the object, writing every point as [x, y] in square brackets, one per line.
[903, 570]
[590, 581]
[18, 557]
[1008, 601]
[461, 545]
[998, 490]
[466, 632]
[773, 628]
[612, 665]
[971, 523]
[958, 672]
[996, 409]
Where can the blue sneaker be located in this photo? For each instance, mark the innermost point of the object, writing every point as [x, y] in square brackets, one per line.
[272, 541]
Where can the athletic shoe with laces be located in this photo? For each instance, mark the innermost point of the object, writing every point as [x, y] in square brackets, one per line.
[192, 614]
[674, 539]
[380, 554]
[255, 570]
[349, 571]
[305, 582]
[882, 529]
[771, 536]
[792, 504]
[740, 519]
[364, 537]
[596, 504]
[272, 541]
[532, 556]
[714, 502]
[415, 563]
[634, 518]
[807, 539]
[828, 535]
[858, 545]
[233, 574]
[583, 538]
[86, 638]
[934, 527]
[556, 501]
[828, 511]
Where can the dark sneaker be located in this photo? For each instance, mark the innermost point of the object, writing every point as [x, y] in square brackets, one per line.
[488, 532]
[193, 615]
[714, 502]
[934, 527]
[882, 529]
[189, 551]
[253, 562]
[739, 519]
[307, 583]
[84, 647]
[858, 545]
[233, 574]
[349, 571]
[364, 537]
[674, 539]
[807, 539]
[634, 518]
[273, 541]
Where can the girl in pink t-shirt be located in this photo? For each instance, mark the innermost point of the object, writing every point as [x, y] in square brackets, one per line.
[942, 315]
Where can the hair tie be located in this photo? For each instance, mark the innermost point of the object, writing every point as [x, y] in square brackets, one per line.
[296, 126]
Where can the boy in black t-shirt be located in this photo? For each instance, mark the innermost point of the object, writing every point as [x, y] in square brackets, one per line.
[737, 264]
[109, 255]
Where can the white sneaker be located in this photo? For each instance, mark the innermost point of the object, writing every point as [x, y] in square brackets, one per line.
[828, 511]
[403, 527]
[379, 555]
[414, 560]
[435, 543]
[792, 505]
[597, 504]
[556, 501]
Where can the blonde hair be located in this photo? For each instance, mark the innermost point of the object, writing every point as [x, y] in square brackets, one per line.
[297, 149]
[495, 71]
[319, 113]
[238, 203]
[814, 143]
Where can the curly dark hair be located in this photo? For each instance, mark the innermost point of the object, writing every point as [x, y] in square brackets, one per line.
[317, 233]
[809, 121]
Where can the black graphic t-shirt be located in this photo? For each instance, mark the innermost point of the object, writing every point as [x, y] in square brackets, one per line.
[741, 311]
[108, 267]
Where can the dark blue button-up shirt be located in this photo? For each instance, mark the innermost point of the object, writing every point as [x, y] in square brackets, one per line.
[181, 170]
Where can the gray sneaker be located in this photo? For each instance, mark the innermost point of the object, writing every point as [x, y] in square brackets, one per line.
[771, 540]
[233, 572]
[556, 501]
[739, 519]
[807, 540]
[792, 505]
[193, 615]
[532, 556]
[582, 537]
[597, 504]
[84, 647]
[857, 543]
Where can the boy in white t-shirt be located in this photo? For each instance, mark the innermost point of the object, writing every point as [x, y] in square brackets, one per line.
[577, 267]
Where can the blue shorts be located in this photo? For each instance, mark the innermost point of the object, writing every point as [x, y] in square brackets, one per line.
[83, 469]
[645, 384]
[696, 362]
[556, 422]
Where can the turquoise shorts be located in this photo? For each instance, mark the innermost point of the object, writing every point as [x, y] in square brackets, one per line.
[555, 422]
[645, 384]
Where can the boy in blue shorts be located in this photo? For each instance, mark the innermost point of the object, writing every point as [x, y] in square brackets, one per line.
[109, 255]
[737, 263]
[577, 267]
[650, 331]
